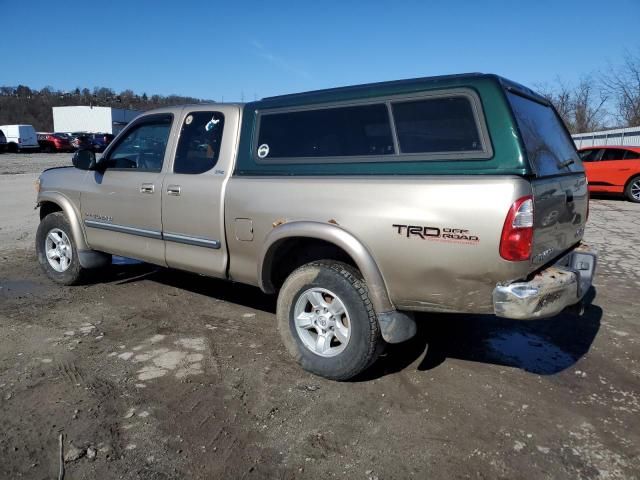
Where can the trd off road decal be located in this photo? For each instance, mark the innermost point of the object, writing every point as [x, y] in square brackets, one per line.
[437, 234]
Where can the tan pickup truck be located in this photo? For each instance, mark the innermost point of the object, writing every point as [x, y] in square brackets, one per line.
[356, 205]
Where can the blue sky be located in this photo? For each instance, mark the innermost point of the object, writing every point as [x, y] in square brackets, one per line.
[214, 49]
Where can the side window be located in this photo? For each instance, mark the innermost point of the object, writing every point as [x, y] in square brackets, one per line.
[631, 155]
[612, 154]
[199, 143]
[589, 155]
[143, 146]
[361, 130]
[436, 125]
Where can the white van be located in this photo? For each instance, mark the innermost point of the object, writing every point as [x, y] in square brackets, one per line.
[20, 137]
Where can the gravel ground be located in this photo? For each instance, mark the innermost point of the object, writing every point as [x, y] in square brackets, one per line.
[156, 374]
[31, 163]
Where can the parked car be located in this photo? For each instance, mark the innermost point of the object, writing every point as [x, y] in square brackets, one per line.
[101, 141]
[613, 169]
[54, 142]
[3, 142]
[72, 135]
[81, 140]
[20, 138]
[357, 205]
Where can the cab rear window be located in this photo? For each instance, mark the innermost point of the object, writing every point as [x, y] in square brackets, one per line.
[548, 145]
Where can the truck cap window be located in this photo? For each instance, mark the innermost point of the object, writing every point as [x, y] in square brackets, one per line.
[361, 130]
[549, 147]
[199, 144]
[436, 125]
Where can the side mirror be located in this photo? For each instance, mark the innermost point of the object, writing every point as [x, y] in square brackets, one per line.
[84, 160]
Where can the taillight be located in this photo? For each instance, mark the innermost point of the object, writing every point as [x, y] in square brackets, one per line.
[517, 233]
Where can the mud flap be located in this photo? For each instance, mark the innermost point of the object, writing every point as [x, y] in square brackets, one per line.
[396, 327]
[93, 259]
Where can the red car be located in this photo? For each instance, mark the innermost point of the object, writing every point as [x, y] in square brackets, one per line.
[613, 170]
[54, 142]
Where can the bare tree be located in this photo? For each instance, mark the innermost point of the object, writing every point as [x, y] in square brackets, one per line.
[581, 107]
[623, 84]
[588, 106]
[559, 95]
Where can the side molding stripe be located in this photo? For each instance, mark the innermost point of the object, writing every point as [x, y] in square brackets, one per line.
[122, 229]
[155, 234]
[197, 241]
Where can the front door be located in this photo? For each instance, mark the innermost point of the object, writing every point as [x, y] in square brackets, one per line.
[121, 206]
[193, 190]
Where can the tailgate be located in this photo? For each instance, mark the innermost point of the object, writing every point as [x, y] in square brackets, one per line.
[560, 206]
[559, 188]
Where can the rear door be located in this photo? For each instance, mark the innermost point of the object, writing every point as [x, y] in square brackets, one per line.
[28, 136]
[194, 187]
[560, 185]
[616, 170]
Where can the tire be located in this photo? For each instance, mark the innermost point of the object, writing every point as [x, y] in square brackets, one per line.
[54, 230]
[12, 148]
[351, 341]
[632, 190]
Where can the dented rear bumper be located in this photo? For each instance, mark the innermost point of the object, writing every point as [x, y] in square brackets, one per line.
[552, 290]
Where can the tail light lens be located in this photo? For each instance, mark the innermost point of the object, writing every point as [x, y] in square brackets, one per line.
[517, 233]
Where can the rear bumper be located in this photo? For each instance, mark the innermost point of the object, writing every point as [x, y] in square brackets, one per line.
[552, 290]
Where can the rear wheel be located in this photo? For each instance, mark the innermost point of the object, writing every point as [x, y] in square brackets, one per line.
[632, 191]
[326, 320]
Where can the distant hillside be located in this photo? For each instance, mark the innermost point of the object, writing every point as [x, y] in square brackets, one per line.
[24, 105]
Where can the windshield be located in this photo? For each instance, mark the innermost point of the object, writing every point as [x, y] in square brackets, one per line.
[549, 147]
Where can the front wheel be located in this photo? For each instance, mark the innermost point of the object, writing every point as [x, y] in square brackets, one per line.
[326, 320]
[632, 191]
[57, 252]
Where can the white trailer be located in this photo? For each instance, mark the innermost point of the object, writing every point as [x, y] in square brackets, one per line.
[91, 119]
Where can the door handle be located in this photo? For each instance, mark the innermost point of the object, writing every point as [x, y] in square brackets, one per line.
[174, 190]
[147, 188]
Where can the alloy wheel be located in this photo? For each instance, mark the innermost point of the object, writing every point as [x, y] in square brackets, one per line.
[58, 250]
[322, 322]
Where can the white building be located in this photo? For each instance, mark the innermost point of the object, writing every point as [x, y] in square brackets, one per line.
[91, 119]
[619, 136]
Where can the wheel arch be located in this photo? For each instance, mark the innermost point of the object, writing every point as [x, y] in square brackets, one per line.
[346, 246]
[50, 202]
[631, 177]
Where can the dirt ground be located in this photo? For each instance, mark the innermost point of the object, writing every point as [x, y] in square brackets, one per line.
[157, 374]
